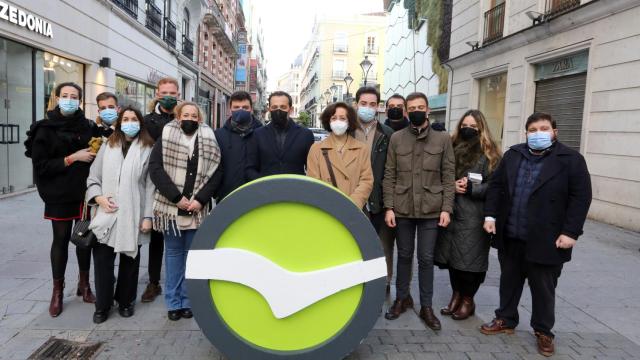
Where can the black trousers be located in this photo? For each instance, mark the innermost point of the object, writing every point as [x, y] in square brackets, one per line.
[542, 279]
[127, 282]
[427, 234]
[465, 282]
[156, 250]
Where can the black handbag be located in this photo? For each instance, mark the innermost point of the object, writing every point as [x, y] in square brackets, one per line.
[81, 236]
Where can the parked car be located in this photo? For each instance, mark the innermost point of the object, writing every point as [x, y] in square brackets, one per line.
[319, 134]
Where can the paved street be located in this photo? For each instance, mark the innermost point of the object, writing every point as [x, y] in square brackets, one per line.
[597, 308]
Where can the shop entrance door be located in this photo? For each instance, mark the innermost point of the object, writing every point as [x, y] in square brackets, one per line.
[16, 115]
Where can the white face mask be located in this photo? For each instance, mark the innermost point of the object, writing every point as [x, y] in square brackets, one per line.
[339, 127]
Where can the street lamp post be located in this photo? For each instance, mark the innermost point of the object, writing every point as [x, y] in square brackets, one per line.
[347, 81]
[333, 89]
[366, 66]
[327, 96]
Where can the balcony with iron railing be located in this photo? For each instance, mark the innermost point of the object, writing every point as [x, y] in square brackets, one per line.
[558, 7]
[187, 47]
[169, 32]
[372, 79]
[493, 24]
[340, 48]
[339, 74]
[219, 27]
[154, 18]
[129, 6]
[371, 50]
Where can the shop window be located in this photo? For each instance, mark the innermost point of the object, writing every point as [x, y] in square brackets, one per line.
[58, 70]
[493, 91]
[134, 93]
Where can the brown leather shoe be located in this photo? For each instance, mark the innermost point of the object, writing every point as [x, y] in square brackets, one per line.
[55, 307]
[454, 303]
[84, 288]
[427, 314]
[545, 344]
[496, 326]
[398, 307]
[466, 309]
[151, 292]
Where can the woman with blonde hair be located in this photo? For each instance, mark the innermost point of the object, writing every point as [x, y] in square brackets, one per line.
[463, 246]
[183, 167]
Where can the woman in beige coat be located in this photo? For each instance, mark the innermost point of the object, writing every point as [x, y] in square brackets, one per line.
[340, 159]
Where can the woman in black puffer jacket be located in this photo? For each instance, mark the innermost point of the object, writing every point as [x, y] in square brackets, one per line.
[61, 160]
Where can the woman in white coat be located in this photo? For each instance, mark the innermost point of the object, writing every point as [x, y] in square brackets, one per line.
[119, 184]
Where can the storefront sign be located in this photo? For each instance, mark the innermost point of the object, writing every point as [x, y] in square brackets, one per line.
[286, 267]
[24, 19]
[568, 65]
[154, 76]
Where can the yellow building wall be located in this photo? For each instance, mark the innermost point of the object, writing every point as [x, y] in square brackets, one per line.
[356, 32]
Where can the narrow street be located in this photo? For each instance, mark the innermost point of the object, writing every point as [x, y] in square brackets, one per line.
[597, 311]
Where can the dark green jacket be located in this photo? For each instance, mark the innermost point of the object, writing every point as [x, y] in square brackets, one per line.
[378, 160]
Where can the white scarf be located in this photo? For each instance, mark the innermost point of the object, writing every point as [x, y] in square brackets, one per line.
[121, 179]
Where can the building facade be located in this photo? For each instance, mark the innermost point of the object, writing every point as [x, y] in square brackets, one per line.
[125, 50]
[257, 66]
[222, 26]
[575, 59]
[338, 45]
[409, 57]
[289, 82]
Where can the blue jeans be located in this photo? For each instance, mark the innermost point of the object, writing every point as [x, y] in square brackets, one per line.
[176, 248]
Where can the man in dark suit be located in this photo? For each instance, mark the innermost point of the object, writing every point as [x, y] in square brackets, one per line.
[537, 203]
[233, 138]
[280, 147]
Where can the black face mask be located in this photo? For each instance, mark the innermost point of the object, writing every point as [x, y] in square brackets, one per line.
[279, 118]
[189, 126]
[418, 118]
[395, 113]
[468, 133]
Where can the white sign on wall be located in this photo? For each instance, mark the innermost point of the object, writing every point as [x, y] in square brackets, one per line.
[25, 19]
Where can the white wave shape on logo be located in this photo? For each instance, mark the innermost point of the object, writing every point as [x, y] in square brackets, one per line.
[285, 291]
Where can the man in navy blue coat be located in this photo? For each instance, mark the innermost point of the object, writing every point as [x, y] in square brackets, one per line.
[233, 138]
[536, 205]
[282, 146]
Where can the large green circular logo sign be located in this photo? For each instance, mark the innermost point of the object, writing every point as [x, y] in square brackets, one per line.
[286, 266]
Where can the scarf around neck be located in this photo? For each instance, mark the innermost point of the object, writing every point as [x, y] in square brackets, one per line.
[467, 154]
[175, 155]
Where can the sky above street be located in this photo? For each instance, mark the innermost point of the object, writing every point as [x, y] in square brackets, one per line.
[287, 27]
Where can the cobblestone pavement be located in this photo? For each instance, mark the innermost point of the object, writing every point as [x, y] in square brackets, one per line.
[598, 315]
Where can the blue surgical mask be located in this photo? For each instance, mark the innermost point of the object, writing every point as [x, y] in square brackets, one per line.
[539, 140]
[108, 116]
[68, 106]
[241, 116]
[131, 128]
[366, 114]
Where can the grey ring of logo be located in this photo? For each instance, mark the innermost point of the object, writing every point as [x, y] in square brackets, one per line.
[287, 190]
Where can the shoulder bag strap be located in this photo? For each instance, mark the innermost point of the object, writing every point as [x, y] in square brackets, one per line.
[325, 153]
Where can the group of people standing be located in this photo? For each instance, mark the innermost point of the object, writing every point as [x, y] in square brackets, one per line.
[452, 197]
[156, 177]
